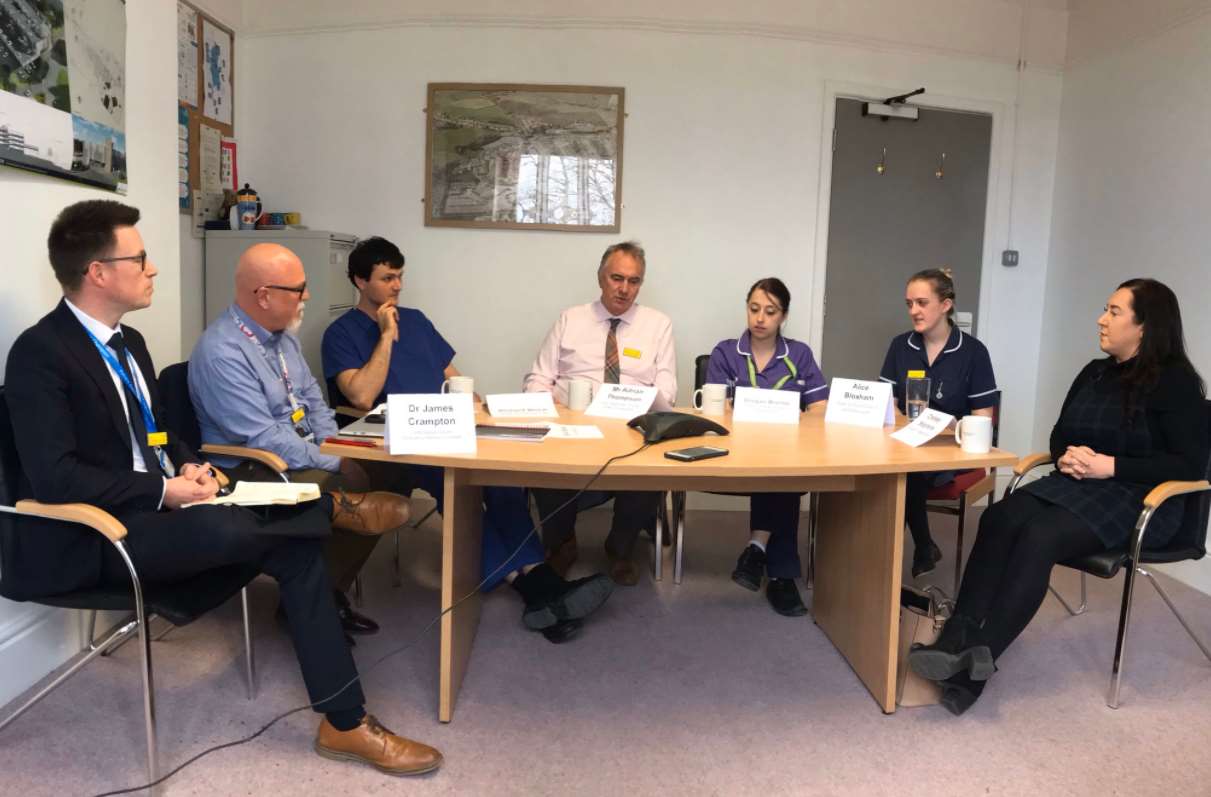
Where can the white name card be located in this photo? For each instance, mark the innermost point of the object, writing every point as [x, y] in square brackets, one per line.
[621, 401]
[766, 406]
[926, 427]
[521, 405]
[859, 403]
[430, 423]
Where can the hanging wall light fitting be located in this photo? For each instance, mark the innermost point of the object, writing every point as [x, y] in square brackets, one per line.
[881, 166]
[940, 172]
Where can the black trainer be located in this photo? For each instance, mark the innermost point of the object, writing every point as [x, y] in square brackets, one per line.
[925, 559]
[783, 595]
[750, 567]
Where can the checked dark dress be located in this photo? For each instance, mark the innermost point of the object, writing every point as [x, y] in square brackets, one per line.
[1162, 441]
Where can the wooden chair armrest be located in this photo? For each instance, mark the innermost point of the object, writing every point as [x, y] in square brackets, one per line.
[1166, 490]
[1030, 462]
[220, 477]
[266, 458]
[352, 412]
[85, 514]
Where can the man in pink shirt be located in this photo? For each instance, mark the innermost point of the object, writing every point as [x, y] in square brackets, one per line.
[610, 340]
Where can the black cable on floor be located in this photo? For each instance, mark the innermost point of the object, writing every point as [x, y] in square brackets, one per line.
[385, 656]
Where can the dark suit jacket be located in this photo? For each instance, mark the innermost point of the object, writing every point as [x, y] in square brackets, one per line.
[73, 440]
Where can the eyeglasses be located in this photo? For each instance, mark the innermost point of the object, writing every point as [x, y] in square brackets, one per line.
[300, 290]
[140, 258]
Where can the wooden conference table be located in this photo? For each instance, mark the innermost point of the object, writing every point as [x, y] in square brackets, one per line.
[859, 545]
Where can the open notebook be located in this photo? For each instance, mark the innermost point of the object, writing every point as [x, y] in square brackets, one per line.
[264, 494]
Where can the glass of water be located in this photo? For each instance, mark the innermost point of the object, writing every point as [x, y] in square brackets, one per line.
[916, 392]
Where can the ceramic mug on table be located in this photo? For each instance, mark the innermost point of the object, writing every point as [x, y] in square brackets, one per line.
[580, 393]
[711, 399]
[459, 384]
[974, 434]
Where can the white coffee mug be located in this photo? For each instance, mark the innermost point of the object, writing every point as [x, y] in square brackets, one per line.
[711, 399]
[974, 434]
[459, 384]
[580, 393]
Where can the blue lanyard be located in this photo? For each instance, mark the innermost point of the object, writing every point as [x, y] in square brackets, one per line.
[149, 420]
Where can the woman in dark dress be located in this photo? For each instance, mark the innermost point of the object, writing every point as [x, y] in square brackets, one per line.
[1130, 421]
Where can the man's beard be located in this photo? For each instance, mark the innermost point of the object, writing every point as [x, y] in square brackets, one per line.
[293, 326]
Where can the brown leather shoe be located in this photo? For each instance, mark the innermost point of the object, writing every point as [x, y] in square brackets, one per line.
[623, 572]
[371, 743]
[563, 557]
[369, 513]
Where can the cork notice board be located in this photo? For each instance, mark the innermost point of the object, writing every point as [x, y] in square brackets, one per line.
[205, 91]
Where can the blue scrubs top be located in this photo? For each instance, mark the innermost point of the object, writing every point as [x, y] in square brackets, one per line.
[961, 378]
[729, 366]
[418, 359]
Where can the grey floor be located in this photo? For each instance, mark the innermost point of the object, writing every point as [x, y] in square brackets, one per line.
[692, 689]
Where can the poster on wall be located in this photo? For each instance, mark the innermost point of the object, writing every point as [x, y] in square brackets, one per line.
[216, 51]
[187, 54]
[63, 89]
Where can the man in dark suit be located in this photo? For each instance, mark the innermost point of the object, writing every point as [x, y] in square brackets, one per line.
[88, 427]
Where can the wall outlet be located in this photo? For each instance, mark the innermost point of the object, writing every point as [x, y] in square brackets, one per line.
[1009, 257]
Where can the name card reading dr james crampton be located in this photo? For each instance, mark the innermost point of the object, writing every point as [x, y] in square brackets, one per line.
[430, 423]
[621, 401]
[859, 403]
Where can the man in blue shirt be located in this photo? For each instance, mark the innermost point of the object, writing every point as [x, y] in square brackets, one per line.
[250, 386]
[379, 348]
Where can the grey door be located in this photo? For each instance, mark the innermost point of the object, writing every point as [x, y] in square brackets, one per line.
[884, 227]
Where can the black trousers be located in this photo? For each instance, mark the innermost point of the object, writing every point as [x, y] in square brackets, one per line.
[170, 546]
[1020, 539]
[633, 512]
[778, 513]
[345, 552]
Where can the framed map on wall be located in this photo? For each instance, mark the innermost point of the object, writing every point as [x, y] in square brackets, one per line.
[524, 157]
[63, 89]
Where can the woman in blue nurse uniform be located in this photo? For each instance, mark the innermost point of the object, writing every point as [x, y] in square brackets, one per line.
[961, 383]
[762, 358]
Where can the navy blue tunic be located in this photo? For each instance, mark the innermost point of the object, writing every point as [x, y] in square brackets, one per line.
[961, 378]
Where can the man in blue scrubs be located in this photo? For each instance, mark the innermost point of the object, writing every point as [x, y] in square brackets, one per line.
[378, 348]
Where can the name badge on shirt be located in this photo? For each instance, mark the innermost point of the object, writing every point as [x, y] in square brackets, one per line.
[298, 415]
[634, 354]
[157, 439]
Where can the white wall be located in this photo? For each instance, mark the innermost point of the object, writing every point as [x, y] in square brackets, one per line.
[33, 640]
[1130, 200]
[722, 166]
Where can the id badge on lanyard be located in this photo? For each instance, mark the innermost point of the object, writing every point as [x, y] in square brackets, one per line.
[156, 440]
[298, 414]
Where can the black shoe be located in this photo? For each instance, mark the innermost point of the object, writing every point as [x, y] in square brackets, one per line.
[959, 648]
[574, 600]
[750, 567]
[783, 595]
[352, 621]
[960, 693]
[925, 559]
[564, 631]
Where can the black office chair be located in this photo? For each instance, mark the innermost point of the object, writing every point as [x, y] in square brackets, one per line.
[1190, 543]
[677, 499]
[179, 603]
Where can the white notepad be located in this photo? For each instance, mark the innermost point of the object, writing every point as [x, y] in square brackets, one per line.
[265, 494]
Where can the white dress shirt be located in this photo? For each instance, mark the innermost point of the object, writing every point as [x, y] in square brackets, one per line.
[575, 349]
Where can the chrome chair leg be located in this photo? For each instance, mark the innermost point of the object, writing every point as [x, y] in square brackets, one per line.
[813, 515]
[396, 576]
[959, 543]
[1120, 643]
[119, 639]
[1165, 597]
[1084, 601]
[679, 500]
[357, 590]
[658, 559]
[167, 630]
[249, 663]
[90, 634]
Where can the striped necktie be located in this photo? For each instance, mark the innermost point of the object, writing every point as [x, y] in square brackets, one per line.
[612, 369]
